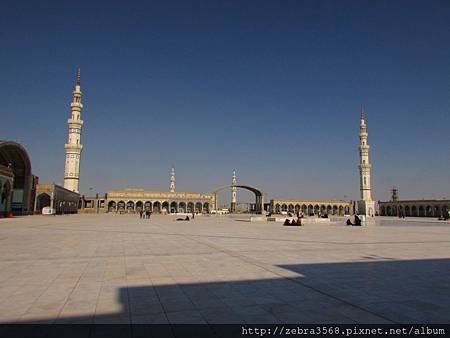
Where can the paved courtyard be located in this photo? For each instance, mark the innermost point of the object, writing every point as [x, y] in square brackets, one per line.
[120, 269]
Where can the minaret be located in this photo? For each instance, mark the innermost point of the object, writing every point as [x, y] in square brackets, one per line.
[233, 192]
[73, 145]
[172, 180]
[365, 206]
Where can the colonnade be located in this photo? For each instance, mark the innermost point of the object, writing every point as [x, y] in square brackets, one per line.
[132, 206]
[312, 209]
[414, 210]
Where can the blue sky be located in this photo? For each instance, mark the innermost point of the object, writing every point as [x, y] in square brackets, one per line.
[271, 88]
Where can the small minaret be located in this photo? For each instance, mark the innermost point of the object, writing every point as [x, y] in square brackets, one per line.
[73, 146]
[365, 206]
[233, 192]
[394, 194]
[172, 180]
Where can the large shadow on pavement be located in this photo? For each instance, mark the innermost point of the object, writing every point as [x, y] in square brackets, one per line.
[375, 290]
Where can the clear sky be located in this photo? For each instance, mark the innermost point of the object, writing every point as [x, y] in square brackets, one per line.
[271, 88]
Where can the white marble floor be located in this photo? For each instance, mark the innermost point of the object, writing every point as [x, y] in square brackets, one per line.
[120, 269]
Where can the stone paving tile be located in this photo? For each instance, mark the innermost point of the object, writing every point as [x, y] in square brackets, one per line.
[116, 268]
[151, 318]
[185, 317]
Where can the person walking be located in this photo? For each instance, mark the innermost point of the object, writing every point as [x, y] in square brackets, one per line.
[141, 213]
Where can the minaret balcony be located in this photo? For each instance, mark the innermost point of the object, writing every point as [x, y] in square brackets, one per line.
[75, 122]
[78, 105]
[365, 166]
[73, 147]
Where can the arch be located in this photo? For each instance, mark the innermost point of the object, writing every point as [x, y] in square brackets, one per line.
[429, 211]
[206, 207]
[121, 205]
[157, 206]
[14, 156]
[42, 200]
[283, 207]
[341, 210]
[414, 211]
[148, 205]
[6, 195]
[329, 209]
[310, 210]
[291, 208]
[316, 209]
[304, 209]
[297, 208]
[198, 207]
[277, 208]
[382, 211]
[190, 207]
[174, 207]
[388, 211]
[259, 195]
[182, 207]
[407, 211]
[421, 211]
[139, 206]
[335, 210]
[394, 210]
[130, 206]
[437, 211]
[112, 206]
[165, 206]
[347, 210]
[444, 210]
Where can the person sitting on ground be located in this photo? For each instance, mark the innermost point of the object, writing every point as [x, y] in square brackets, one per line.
[349, 222]
[187, 218]
[357, 221]
[294, 222]
[287, 222]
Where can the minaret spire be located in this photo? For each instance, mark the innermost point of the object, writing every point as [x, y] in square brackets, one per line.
[78, 83]
[233, 192]
[365, 206]
[172, 180]
[73, 146]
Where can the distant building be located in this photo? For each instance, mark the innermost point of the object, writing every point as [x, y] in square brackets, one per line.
[133, 200]
[60, 199]
[413, 208]
[312, 207]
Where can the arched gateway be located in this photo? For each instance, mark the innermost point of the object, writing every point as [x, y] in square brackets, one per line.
[259, 196]
[17, 183]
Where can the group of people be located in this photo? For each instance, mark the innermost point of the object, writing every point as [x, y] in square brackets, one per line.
[357, 221]
[144, 214]
[294, 221]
